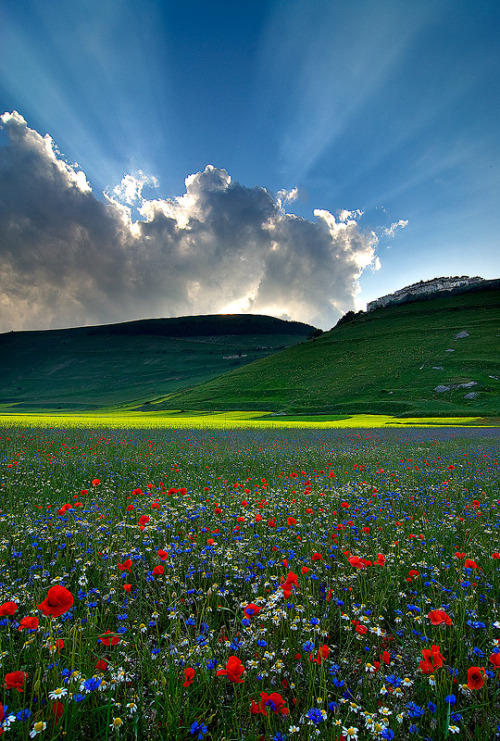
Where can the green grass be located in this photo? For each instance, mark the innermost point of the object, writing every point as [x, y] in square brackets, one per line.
[389, 361]
[135, 362]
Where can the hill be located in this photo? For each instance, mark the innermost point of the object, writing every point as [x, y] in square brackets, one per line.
[134, 362]
[438, 356]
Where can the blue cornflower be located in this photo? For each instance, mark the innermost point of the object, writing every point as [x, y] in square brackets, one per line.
[308, 646]
[23, 714]
[279, 737]
[456, 717]
[414, 710]
[211, 664]
[387, 734]
[432, 707]
[477, 651]
[414, 729]
[92, 684]
[199, 728]
[261, 643]
[314, 621]
[450, 699]
[314, 715]
[245, 622]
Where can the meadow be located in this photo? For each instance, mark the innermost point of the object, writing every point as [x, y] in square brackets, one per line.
[250, 584]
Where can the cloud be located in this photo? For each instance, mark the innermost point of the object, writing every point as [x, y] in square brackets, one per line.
[391, 230]
[68, 258]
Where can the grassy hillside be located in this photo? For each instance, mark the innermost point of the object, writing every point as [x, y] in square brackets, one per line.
[421, 358]
[133, 362]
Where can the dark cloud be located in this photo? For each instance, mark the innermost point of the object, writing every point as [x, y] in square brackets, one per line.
[68, 258]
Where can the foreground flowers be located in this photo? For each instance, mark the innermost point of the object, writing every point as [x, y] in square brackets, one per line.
[58, 601]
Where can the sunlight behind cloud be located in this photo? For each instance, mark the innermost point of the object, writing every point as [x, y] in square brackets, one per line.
[219, 245]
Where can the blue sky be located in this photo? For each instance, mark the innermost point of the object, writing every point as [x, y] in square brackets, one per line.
[389, 110]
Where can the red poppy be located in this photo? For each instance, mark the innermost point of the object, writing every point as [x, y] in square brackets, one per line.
[304, 570]
[274, 702]
[15, 680]
[130, 507]
[188, 676]
[321, 655]
[361, 629]
[356, 562]
[158, 570]
[58, 601]
[432, 660]
[96, 482]
[101, 665]
[439, 616]
[112, 640]
[126, 565]
[470, 564]
[495, 660]
[317, 557]
[475, 677]
[143, 521]
[251, 610]
[233, 671]
[8, 608]
[30, 623]
[380, 559]
[58, 710]
[162, 554]
[385, 657]
[291, 521]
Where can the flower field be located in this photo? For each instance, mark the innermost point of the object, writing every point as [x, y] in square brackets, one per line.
[249, 584]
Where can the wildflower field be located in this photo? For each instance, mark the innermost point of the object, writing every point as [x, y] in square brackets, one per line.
[249, 584]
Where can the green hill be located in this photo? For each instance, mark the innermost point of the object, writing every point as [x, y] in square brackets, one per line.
[438, 356]
[135, 362]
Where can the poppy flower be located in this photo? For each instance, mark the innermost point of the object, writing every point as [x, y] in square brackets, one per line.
[251, 610]
[433, 659]
[158, 570]
[96, 482]
[112, 640]
[15, 680]
[273, 702]
[380, 559]
[317, 557]
[162, 554]
[127, 587]
[143, 521]
[291, 521]
[57, 709]
[58, 601]
[361, 629]
[439, 616]
[475, 677]
[495, 660]
[233, 671]
[356, 562]
[101, 665]
[470, 564]
[188, 676]
[126, 565]
[30, 623]
[321, 655]
[8, 608]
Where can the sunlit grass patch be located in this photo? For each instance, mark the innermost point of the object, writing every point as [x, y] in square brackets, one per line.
[241, 419]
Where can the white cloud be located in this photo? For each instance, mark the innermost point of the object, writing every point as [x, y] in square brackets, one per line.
[391, 230]
[68, 258]
[131, 186]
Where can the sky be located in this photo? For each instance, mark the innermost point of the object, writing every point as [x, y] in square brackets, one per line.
[298, 158]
